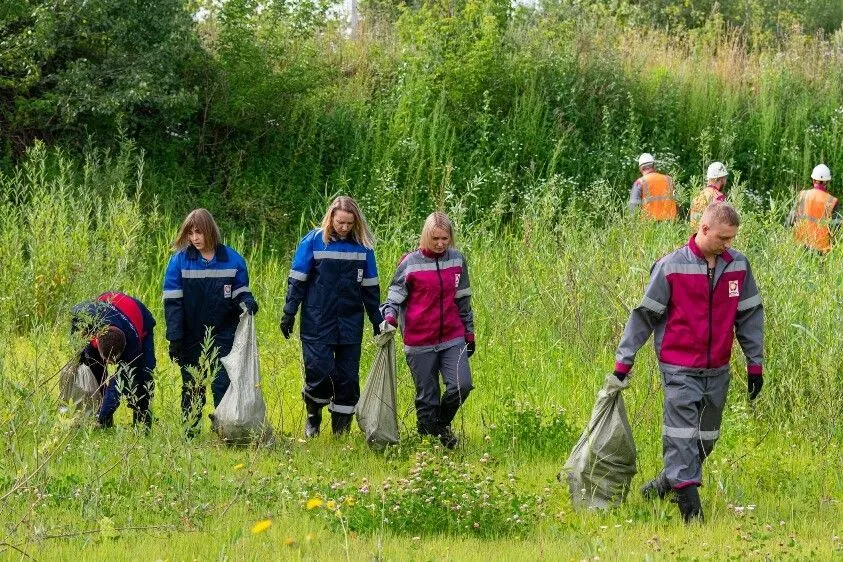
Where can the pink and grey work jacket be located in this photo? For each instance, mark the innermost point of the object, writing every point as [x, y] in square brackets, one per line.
[431, 298]
[696, 312]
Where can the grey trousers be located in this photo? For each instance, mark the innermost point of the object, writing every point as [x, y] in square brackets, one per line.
[693, 410]
[432, 410]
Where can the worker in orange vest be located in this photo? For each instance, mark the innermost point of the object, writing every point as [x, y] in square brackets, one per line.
[653, 191]
[816, 212]
[713, 191]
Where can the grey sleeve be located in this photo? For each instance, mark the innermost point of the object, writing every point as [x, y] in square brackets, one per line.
[749, 323]
[643, 319]
[463, 299]
[396, 294]
[635, 196]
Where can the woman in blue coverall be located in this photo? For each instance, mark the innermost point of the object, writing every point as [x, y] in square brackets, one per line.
[205, 285]
[334, 278]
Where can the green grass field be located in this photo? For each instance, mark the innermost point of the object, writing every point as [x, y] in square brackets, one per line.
[551, 293]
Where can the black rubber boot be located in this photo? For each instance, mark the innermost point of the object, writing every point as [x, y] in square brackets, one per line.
[690, 507]
[447, 437]
[341, 423]
[314, 420]
[448, 411]
[658, 487]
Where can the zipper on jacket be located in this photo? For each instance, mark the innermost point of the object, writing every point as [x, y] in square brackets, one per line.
[710, 312]
[441, 302]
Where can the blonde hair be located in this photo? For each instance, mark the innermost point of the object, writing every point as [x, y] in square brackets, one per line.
[360, 231]
[437, 219]
[721, 213]
[202, 222]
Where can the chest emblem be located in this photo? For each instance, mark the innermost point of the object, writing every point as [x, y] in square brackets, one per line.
[457, 280]
[359, 275]
[226, 291]
[734, 291]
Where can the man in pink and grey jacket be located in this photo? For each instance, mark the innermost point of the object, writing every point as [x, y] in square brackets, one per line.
[698, 299]
[430, 297]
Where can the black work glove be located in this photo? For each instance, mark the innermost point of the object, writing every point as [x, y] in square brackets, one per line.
[470, 347]
[175, 351]
[754, 384]
[376, 330]
[251, 306]
[287, 322]
[620, 376]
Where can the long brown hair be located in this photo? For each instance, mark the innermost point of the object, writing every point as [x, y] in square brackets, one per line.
[201, 221]
[360, 230]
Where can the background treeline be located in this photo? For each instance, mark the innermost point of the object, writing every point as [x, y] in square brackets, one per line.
[261, 110]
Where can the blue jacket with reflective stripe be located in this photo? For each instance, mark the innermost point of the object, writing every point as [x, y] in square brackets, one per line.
[200, 293]
[333, 283]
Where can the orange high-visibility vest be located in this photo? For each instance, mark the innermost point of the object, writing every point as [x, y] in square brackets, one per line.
[657, 199]
[813, 213]
[706, 197]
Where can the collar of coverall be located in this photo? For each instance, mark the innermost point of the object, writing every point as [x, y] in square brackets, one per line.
[431, 254]
[692, 244]
[220, 253]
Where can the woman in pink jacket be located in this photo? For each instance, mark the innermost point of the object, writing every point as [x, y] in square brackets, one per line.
[430, 298]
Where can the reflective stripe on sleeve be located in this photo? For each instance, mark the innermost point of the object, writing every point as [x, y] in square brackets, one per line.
[298, 275]
[370, 282]
[653, 305]
[174, 294]
[241, 290]
[751, 302]
[463, 293]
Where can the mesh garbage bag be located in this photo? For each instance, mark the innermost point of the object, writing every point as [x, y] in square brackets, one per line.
[602, 464]
[78, 388]
[377, 409]
[240, 417]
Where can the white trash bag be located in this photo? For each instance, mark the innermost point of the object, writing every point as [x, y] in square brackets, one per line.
[377, 409]
[78, 388]
[602, 464]
[240, 417]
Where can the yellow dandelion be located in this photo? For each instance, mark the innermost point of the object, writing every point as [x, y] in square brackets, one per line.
[239, 466]
[313, 503]
[289, 541]
[309, 537]
[332, 505]
[350, 501]
[261, 526]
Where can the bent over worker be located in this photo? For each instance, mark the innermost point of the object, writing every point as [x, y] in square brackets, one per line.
[334, 277]
[119, 331]
[698, 299]
[716, 177]
[816, 212]
[653, 192]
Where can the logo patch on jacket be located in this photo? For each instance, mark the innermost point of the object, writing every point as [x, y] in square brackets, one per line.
[457, 280]
[733, 288]
[226, 291]
[359, 275]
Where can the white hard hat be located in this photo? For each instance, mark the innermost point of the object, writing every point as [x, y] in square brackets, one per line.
[646, 158]
[716, 170]
[821, 173]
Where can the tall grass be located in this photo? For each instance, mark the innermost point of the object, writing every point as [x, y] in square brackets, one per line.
[552, 286]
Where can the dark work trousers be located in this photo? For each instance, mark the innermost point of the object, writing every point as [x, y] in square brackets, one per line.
[693, 410]
[193, 389]
[434, 410]
[331, 375]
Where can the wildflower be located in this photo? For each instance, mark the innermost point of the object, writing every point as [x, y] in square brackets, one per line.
[309, 537]
[261, 526]
[332, 505]
[350, 501]
[239, 466]
[313, 503]
[289, 541]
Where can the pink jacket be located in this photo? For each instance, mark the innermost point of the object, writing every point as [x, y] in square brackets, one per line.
[431, 297]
